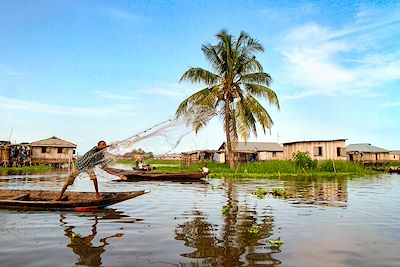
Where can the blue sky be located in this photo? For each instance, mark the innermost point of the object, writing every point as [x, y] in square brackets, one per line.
[90, 70]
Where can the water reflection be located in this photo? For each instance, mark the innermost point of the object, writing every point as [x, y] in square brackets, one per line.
[241, 239]
[82, 246]
[331, 192]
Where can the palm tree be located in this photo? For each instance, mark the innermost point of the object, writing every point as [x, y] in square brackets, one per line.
[232, 89]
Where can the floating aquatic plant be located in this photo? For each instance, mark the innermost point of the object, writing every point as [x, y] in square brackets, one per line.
[260, 193]
[280, 193]
[276, 242]
[76, 235]
[253, 230]
[226, 209]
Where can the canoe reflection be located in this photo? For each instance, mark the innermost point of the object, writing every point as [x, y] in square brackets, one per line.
[82, 246]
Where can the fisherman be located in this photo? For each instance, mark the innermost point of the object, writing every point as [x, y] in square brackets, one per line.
[86, 163]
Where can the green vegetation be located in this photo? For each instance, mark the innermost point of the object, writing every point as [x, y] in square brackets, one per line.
[226, 209]
[260, 193]
[280, 193]
[76, 235]
[232, 89]
[276, 242]
[272, 169]
[253, 230]
[25, 169]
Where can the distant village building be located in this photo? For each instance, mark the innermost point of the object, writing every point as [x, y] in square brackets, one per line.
[52, 150]
[317, 149]
[14, 155]
[394, 155]
[5, 153]
[367, 153]
[191, 157]
[168, 157]
[253, 151]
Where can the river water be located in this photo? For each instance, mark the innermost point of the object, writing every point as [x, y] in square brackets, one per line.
[325, 222]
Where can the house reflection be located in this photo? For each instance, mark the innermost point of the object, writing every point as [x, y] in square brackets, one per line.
[319, 191]
[240, 240]
[82, 246]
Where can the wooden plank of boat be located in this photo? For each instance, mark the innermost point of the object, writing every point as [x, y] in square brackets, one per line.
[165, 176]
[77, 201]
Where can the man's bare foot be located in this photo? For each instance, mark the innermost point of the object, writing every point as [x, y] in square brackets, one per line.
[57, 199]
[98, 197]
[123, 177]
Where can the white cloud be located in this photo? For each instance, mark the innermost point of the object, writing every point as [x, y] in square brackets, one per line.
[108, 95]
[7, 71]
[175, 91]
[391, 104]
[12, 104]
[323, 61]
[119, 14]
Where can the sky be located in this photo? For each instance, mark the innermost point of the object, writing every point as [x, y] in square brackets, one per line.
[90, 70]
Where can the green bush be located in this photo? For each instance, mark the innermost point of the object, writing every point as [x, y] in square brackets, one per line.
[304, 161]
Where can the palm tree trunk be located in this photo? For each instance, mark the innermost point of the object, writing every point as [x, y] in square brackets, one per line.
[228, 149]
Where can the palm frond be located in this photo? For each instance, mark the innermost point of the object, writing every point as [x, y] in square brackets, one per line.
[257, 78]
[195, 99]
[263, 91]
[198, 75]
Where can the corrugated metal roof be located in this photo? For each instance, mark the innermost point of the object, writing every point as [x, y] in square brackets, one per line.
[365, 147]
[54, 142]
[312, 141]
[395, 152]
[255, 146]
[200, 150]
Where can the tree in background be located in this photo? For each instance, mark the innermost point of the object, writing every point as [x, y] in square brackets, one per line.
[232, 89]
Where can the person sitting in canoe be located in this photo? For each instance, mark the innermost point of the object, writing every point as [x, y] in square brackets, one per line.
[205, 169]
[86, 163]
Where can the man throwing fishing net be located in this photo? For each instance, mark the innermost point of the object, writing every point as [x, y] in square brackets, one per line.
[86, 163]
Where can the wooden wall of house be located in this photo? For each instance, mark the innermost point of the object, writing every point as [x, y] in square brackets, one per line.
[191, 158]
[367, 157]
[4, 156]
[268, 155]
[329, 150]
[51, 155]
[394, 157]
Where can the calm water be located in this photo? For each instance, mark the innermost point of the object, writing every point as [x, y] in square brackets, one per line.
[326, 222]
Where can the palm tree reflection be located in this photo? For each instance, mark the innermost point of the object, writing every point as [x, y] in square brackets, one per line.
[242, 239]
[89, 255]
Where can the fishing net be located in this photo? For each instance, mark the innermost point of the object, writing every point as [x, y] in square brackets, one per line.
[161, 138]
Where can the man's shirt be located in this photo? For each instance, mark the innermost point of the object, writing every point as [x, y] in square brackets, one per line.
[90, 159]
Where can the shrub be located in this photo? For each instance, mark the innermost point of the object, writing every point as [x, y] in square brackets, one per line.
[303, 161]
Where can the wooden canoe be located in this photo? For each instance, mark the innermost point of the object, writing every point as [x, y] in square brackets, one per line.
[76, 201]
[164, 176]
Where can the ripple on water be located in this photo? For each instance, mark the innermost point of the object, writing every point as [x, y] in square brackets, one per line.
[327, 222]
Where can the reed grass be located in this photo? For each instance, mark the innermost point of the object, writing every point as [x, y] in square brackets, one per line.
[267, 169]
[8, 170]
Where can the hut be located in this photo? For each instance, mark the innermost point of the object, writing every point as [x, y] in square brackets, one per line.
[367, 153]
[171, 157]
[317, 149]
[53, 150]
[254, 151]
[195, 156]
[394, 155]
[5, 153]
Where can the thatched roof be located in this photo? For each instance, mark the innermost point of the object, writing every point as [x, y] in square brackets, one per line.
[53, 142]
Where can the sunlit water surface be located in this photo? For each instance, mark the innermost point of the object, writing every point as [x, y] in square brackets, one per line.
[325, 222]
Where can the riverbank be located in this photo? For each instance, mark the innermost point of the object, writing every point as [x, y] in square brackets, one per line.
[275, 168]
[12, 170]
